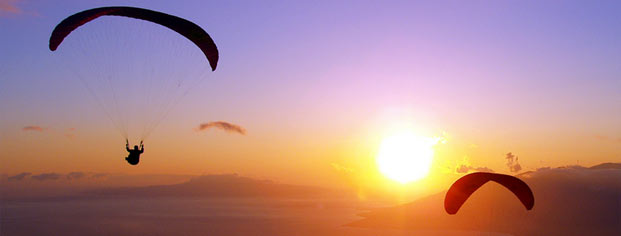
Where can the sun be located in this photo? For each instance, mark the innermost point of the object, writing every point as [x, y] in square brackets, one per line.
[405, 157]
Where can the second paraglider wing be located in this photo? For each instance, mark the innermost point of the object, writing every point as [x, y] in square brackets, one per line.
[461, 190]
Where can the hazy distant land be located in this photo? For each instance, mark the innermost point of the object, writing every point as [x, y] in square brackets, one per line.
[569, 201]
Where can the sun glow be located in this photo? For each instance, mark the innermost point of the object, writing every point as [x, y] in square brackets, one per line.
[405, 157]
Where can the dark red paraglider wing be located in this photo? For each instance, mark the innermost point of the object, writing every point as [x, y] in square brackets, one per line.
[459, 192]
[182, 26]
[518, 187]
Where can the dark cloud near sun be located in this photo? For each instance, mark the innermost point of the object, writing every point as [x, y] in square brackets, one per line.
[463, 168]
[19, 176]
[226, 126]
[33, 128]
[46, 176]
[512, 162]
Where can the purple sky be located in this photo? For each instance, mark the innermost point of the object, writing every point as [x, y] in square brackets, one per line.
[539, 77]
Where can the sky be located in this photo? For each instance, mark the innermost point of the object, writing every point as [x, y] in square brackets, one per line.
[317, 84]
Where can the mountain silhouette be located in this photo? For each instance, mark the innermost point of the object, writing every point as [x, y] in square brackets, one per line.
[568, 201]
[226, 185]
[607, 166]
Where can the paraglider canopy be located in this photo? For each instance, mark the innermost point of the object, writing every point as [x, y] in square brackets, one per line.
[461, 190]
[182, 26]
[135, 69]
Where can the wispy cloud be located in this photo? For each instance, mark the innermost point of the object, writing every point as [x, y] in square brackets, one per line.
[56, 176]
[69, 133]
[9, 7]
[19, 176]
[226, 126]
[76, 175]
[33, 128]
[47, 176]
[466, 168]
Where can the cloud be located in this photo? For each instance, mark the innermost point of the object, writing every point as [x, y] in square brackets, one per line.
[484, 169]
[466, 168]
[228, 127]
[512, 162]
[46, 176]
[9, 6]
[69, 132]
[19, 176]
[76, 175]
[34, 128]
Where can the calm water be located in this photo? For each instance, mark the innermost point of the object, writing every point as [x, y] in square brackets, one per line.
[187, 216]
